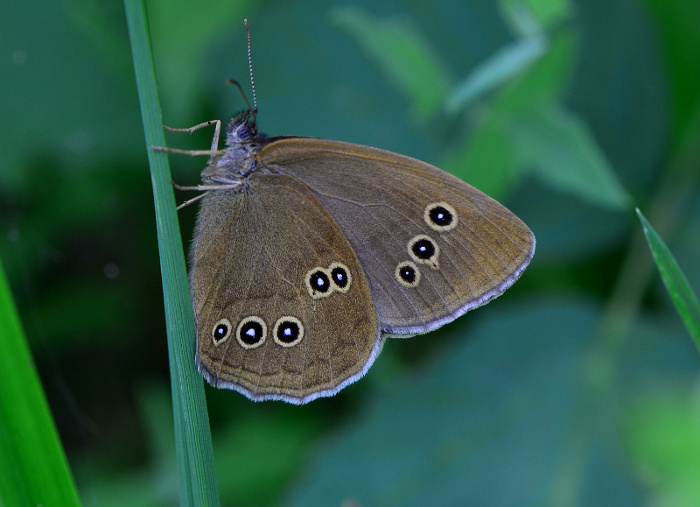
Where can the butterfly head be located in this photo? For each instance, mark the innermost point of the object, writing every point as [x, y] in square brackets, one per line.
[242, 130]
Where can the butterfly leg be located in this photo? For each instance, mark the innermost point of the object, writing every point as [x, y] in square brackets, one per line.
[191, 153]
[217, 131]
[194, 153]
[201, 188]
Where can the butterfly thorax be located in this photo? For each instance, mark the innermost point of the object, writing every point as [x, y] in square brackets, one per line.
[243, 142]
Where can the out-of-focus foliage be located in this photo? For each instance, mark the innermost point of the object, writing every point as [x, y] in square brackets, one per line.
[576, 386]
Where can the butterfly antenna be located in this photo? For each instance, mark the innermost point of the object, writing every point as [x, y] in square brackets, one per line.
[250, 68]
[240, 89]
[253, 110]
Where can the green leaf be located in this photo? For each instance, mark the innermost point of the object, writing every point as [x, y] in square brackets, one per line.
[682, 295]
[500, 68]
[677, 27]
[33, 467]
[197, 479]
[547, 13]
[490, 160]
[402, 54]
[521, 20]
[562, 151]
[523, 409]
[663, 440]
[180, 58]
[542, 64]
[485, 161]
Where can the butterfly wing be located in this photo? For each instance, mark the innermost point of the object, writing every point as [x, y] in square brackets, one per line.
[283, 309]
[432, 246]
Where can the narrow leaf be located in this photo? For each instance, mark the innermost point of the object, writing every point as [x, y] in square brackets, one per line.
[193, 445]
[683, 297]
[33, 467]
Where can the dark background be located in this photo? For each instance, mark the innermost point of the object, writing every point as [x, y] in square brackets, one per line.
[579, 385]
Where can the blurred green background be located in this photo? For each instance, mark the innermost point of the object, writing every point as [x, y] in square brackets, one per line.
[577, 387]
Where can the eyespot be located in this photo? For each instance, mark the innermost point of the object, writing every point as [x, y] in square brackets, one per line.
[440, 216]
[407, 274]
[288, 331]
[318, 283]
[340, 276]
[251, 332]
[221, 332]
[423, 249]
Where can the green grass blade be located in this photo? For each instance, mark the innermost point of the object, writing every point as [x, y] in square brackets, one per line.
[33, 467]
[197, 478]
[683, 297]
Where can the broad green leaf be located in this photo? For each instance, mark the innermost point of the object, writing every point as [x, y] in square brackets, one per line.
[403, 55]
[662, 437]
[544, 80]
[505, 63]
[485, 161]
[521, 20]
[500, 68]
[514, 412]
[489, 159]
[563, 153]
[546, 13]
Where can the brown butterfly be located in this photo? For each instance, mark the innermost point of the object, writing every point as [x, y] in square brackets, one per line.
[309, 253]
